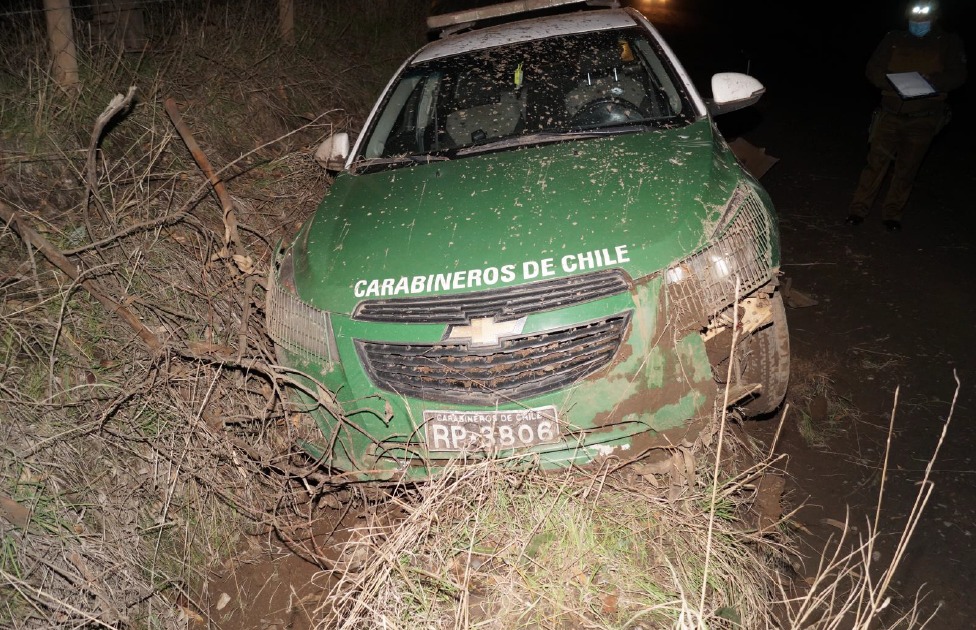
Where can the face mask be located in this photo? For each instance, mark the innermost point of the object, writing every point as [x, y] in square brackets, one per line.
[919, 29]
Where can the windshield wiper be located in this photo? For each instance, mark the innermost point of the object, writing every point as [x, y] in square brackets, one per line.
[399, 160]
[541, 137]
[610, 129]
[544, 137]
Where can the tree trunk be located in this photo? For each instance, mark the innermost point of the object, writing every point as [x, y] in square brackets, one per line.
[61, 38]
[286, 21]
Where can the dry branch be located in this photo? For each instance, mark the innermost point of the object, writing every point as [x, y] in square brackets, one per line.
[51, 600]
[180, 215]
[59, 260]
[226, 203]
[116, 105]
[125, 475]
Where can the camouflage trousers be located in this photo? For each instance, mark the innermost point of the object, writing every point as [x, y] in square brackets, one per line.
[902, 140]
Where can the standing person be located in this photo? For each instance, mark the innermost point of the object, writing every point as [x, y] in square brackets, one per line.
[906, 122]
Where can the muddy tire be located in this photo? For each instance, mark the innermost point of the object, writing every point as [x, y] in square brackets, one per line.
[765, 358]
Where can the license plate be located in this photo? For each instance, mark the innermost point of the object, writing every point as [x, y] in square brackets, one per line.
[490, 430]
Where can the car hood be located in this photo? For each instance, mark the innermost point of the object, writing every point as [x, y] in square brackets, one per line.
[635, 201]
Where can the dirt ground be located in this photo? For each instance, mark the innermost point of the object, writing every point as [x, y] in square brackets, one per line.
[893, 313]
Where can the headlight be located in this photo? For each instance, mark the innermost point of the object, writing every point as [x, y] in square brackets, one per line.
[678, 274]
[721, 267]
[709, 265]
[295, 325]
[705, 283]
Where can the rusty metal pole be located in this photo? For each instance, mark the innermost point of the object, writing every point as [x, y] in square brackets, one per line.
[61, 40]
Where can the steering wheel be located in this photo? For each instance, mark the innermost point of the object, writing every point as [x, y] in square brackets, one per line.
[608, 110]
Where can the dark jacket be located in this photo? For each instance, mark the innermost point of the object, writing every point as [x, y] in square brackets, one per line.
[939, 57]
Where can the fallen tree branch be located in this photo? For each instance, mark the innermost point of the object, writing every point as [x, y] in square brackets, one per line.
[180, 215]
[50, 600]
[226, 203]
[16, 221]
[116, 105]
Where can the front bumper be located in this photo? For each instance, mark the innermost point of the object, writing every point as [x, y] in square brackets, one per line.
[618, 380]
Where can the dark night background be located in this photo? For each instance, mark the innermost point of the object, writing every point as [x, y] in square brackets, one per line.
[811, 49]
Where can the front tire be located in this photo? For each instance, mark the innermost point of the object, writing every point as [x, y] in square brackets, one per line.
[765, 359]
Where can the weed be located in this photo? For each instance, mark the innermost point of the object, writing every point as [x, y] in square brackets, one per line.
[546, 551]
[822, 413]
[8, 556]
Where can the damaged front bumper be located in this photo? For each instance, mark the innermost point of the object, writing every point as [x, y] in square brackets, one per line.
[605, 378]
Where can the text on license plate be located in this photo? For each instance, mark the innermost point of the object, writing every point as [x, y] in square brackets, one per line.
[490, 430]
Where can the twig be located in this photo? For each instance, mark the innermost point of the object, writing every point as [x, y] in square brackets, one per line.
[93, 586]
[28, 235]
[22, 586]
[887, 454]
[718, 454]
[179, 215]
[245, 316]
[921, 500]
[779, 430]
[34, 275]
[809, 264]
[77, 431]
[66, 296]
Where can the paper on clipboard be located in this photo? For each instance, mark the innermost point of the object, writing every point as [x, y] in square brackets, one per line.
[910, 84]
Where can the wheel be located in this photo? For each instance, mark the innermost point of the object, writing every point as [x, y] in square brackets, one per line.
[607, 110]
[764, 358]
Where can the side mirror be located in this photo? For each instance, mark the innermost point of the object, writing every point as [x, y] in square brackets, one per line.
[332, 153]
[732, 91]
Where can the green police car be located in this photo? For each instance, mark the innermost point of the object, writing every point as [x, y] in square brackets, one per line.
[538, 247]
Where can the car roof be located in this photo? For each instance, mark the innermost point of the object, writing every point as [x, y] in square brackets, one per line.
[527, 30]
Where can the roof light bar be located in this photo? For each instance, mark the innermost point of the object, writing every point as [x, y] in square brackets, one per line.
[503, 9]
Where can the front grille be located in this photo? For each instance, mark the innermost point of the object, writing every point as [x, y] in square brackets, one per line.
[743, 252]
[518, 368]
[504, 304]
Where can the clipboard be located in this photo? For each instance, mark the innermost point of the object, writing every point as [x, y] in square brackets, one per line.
[910, 85]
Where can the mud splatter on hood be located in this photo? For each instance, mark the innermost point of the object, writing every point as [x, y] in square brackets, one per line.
[635, 201]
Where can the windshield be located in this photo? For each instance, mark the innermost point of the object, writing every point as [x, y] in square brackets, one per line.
[527, 93]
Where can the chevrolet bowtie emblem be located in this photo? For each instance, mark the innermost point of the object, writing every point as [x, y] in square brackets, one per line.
[485, 331]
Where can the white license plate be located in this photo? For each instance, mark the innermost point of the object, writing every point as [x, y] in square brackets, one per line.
[490, 430]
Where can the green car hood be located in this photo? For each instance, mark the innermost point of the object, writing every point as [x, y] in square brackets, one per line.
[635, 201]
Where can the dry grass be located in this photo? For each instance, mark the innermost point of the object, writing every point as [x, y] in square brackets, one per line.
[851, 588]
[143, 424]
[491, 546]
[144, 428]
[486, 546]
[821, 412]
